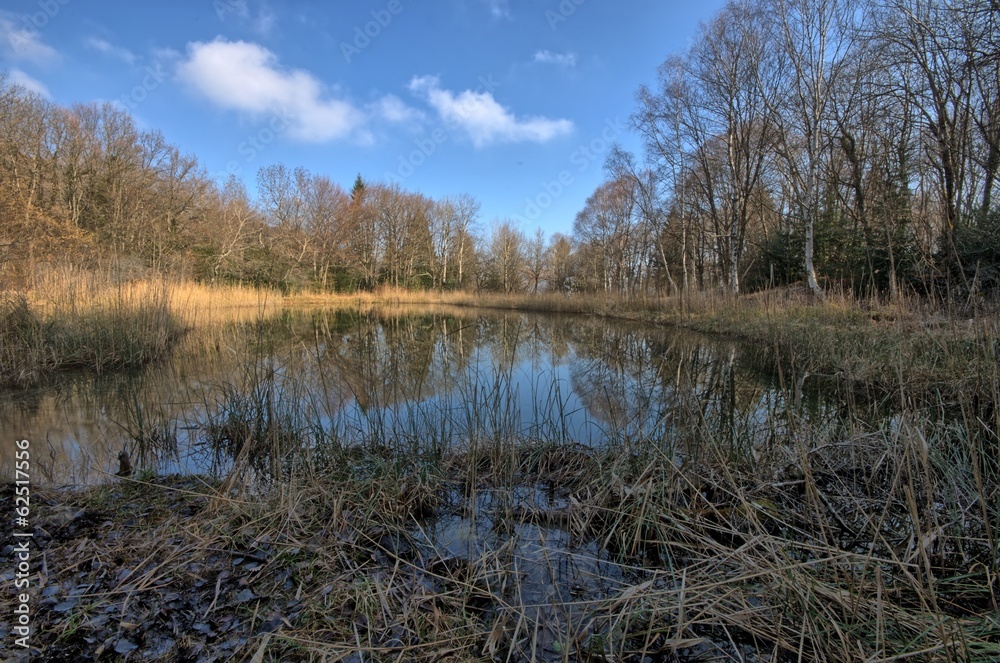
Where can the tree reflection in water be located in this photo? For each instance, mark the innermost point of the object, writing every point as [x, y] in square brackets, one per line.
[403, 379]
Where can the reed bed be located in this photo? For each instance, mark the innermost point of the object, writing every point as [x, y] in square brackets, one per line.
[608, 305]
[70, 319]
[198, 304]
[114, 332]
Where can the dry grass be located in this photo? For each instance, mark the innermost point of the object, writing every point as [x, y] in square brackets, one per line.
[198, 304]
[70, 319]
[111, 334]
[705, 560]
[906, 349]
[597, 304]
[194, 304]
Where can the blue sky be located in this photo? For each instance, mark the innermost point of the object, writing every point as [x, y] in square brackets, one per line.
[514, 102]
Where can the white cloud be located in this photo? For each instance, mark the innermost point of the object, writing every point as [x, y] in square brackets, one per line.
[392, 109]
[483, 118]
[246, 77]
[559, 59]
[23, 42]
[18, 77]
[107, 48]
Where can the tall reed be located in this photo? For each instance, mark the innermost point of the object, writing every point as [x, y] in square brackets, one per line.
[74, 319]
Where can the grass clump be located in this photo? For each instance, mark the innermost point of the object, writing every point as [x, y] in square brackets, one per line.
[72, 320]
[123, 334]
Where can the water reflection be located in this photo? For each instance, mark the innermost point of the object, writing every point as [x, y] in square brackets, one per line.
[396, 378]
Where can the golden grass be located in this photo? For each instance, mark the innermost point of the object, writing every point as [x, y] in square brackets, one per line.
[72, 319]
[607, 305]
[198, 304]
[57, 292]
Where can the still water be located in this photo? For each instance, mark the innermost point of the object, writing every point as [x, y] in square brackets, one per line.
[403, 378]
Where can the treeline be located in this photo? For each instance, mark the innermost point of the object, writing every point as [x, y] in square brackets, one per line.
[85, 185]
[812, 140]
[824, 141]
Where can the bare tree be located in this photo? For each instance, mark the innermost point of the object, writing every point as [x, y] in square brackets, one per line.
[924, 43]
[660, 121]
[611, 232]
[506, 258]
[561, 259]
[443, 221]
[811, 40]
[239, 221]
[325, 214]
[726, 65]
[536, 262]
[466, 230]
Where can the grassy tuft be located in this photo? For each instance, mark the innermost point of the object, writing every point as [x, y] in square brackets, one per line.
[70, 320]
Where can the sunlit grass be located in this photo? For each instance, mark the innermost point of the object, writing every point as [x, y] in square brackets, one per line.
[545, 302]
[70, 319]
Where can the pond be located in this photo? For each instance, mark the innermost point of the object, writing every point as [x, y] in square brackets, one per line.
[400, 379]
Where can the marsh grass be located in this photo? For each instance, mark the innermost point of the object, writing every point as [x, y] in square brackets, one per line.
[114, 334]
[908, 349]
[841, 541]
[201, 305]
[73, 320]
[870, 545]
[608, 305]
